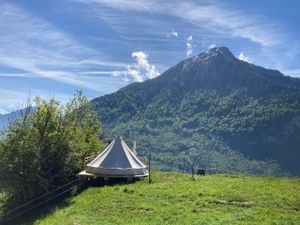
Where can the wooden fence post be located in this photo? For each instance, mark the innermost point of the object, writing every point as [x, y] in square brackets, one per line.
[193, 178]
[149, 168]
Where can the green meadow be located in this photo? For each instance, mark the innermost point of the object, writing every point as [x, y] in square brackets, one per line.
[175, 198]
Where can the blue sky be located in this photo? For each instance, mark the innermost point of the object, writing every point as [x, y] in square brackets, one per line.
[51, 48]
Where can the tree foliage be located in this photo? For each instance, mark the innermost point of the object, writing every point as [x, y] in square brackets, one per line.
[46, 147]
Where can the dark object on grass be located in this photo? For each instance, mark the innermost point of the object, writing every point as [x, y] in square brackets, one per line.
[193, 178]
[201, 172]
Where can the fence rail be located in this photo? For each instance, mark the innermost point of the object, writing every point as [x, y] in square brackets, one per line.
[34, 203]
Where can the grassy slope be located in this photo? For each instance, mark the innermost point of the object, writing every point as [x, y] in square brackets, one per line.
[173, 198]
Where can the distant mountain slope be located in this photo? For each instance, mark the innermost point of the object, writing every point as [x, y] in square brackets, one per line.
[2, 121]
[7, 118]
[213, 111]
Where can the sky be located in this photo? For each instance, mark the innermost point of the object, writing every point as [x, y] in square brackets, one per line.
[53, 48]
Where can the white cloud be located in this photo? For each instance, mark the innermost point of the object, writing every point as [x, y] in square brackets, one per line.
[16, 75]
[214, 19]
[212, 45]
[173, 34]
[212, 16]
[292, 72]
[138, 71]
[39, 49]
[243, 57]
[12, 100]
[189, 46]
[142, 69]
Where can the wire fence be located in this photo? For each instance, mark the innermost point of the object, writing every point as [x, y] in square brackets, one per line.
[34, 203]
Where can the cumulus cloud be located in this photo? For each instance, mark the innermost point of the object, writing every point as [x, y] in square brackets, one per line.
[141, 69]
[189, 46]
[243, 57]
[138, 71]
[215, 18]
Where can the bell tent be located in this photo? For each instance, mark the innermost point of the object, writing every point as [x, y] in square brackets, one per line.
[117, 160]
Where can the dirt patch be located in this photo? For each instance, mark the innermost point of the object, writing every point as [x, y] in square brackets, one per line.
[236, 203]
[144, 209]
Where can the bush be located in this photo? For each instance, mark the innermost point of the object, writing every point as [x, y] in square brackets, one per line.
[46, 147]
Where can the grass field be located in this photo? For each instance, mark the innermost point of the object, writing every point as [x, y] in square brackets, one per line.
[174, 198]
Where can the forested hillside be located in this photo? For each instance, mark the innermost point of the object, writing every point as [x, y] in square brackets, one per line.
[212, 111]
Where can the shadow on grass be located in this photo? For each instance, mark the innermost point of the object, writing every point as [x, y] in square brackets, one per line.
[63, 201]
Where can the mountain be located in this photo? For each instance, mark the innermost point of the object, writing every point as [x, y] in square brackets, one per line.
[7, 118]
[4, 120]
[212, 111]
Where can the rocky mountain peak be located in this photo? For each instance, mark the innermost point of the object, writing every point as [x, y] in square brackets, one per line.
[220, 51]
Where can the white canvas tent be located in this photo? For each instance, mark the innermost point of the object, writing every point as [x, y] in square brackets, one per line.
[117, 160]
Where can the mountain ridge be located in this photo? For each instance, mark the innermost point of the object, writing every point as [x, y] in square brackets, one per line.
[7, 118]
[218, 112]
[220, 55]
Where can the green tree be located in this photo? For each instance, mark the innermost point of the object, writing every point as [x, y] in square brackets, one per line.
[47, 146]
